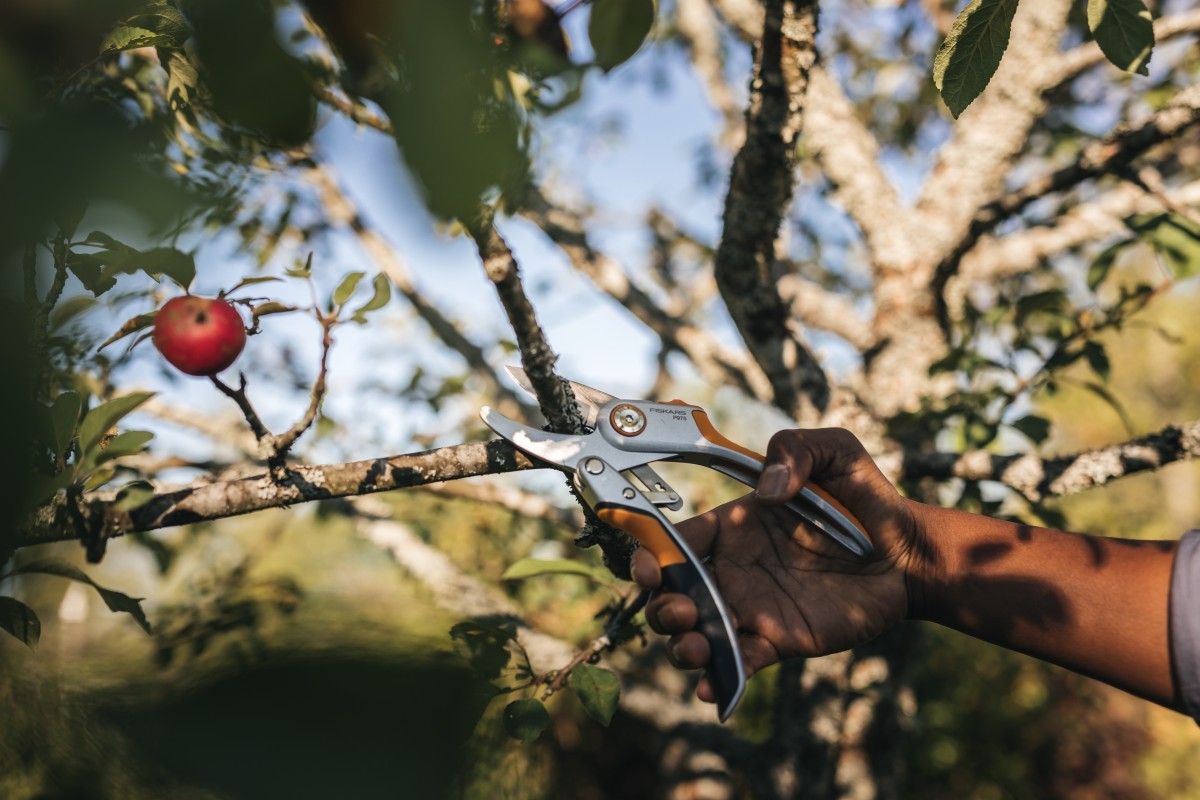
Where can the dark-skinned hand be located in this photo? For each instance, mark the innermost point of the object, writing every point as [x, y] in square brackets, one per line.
[791, 590]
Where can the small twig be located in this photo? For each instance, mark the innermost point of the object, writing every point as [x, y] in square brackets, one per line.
[284, 441]
[626, 610]
[1150, 181]
[356, 112]
[243, 402]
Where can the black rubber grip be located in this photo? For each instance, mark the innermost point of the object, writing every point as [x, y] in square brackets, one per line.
[724, 672]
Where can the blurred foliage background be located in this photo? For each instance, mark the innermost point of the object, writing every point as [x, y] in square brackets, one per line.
[292, 657]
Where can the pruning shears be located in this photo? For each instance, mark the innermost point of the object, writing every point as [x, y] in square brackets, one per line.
[610, 467]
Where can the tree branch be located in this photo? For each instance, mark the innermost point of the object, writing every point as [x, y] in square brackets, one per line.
[1112, 154]
[200, 501]
[816, 307]
[1036, 477]
[848, 154]
[555, 396]
[760, 188]
[719, 366]
[239, 397]
[699, 28]
[1070, 64]
[510, 498]
[285, 440]
[972, 166]
[1087, 222]
[340, 209]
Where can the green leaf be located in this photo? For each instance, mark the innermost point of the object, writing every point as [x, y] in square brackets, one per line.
[158, 25]
[123, 444]
[251, 281]
[529, 567]
[526, 719]
[19, 620]
[1099, 269]
[43, 487]
[69, 309]
[1097, 359]
[266, 309]
[346, 288]
[129, 37]
[167, 261]
[89, 269]
[617, 29]
[1125, 32]
[98, 478]
[133, 496]
[101, 418]
[383, 293]
[116, 601]
[64, 419]
[1174, 237]
[968, 59]
[598, 689]
[978, 433]
[165, 19]
[1108, 397]
[1035, 427]
[138, 323]
[182, 78]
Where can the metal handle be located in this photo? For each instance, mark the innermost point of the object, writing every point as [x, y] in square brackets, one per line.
[615, 501]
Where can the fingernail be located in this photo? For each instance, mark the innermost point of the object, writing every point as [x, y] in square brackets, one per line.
[676, 651]
[773, 482]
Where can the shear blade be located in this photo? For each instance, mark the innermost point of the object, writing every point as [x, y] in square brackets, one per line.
[590, 400]
[561, 449]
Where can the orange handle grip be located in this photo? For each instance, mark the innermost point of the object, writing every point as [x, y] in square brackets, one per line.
[648, 530]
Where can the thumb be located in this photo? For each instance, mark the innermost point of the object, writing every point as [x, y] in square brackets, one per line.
[789, 462]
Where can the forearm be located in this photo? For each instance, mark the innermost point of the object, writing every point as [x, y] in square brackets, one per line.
[1095, 605]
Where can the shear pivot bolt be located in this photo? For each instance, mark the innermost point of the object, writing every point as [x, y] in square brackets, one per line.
[628, 493]
[593, 466]
[628, 419]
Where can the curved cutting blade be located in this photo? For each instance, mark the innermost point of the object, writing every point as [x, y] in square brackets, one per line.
[561, 449]
[590, 400]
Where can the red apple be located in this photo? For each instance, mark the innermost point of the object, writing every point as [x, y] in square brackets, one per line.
[199, 335]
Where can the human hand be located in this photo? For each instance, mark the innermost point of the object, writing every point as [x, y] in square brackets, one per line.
[793, 591]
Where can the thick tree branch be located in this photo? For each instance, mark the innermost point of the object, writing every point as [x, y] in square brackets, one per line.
[849, 156]
[1112, 154]
[715, 362]
[816, 307]
[208, 501]
[760, 189]
[1036, 477]
[972, 166]
[1092, 221]
[555, 396]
